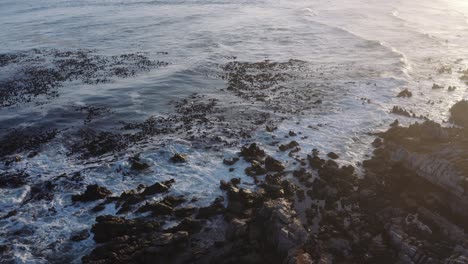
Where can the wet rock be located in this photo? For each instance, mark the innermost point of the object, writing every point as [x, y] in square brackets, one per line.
[271, 128]
[400, 111]
[173, 200]
[405, 93]
[158, 187]
[451, 88]
[216, 208]
[41, 191]
[288, 146]
[315, 162]
[231, 161]
[274, 165]
[436, 87]
[332, 155]
[185, 211]
[189, 225]
[137, 164]
[459, 113]
[252, 153]
[13, 180]
[156, 208]
[178, 158]
[255, 169]
[79, 235]
[292, 133]
[109, 227]
[377, 143]
[93, 192]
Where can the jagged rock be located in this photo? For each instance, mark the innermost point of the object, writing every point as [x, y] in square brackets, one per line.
[315, 162]
[189, 225]
[288, 146]
[79, 235]
[272, 164]
[109, 227]
[405, 93]
[92, 193]
[292, 133]
[178, 158]
[255, 169]
[137, 164]
[252, 153]
[158, 187]
[156, 208]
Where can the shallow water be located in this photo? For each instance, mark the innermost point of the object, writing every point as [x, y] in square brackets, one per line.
[357, 56]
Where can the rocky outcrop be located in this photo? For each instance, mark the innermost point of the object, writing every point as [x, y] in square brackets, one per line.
[459, 113]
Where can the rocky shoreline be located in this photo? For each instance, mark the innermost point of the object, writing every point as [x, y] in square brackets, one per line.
[409, 204]
[408, 207]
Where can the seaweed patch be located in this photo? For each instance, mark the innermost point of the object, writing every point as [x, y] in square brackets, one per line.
[40, 72]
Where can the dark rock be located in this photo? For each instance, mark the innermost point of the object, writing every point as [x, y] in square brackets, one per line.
[231, 161]
[13, 180]
[189, 225]
[255, 170]
[178, 158]
[377, 143]
[137, 164]
[436, 86]
[288, 146]
[333, 155]
[156, 208]
[158, 187]
[79, 235]
[405, 93]
[459, 113]
[173, 200]
[216, 208]
[271, 128]
[252, 153]
[292, 133]
[109, 227]
[92, 193]
[400, 111]
[185, 211]
[235, 181]
[315, 162]
[272, 164]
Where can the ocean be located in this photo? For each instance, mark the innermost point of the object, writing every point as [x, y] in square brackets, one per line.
[157, 78]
